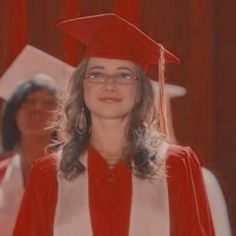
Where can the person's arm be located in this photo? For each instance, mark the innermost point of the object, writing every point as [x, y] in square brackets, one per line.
[217, 204]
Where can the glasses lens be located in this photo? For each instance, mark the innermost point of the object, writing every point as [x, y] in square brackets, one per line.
[119, 78]
[95, 77]
[125, 78]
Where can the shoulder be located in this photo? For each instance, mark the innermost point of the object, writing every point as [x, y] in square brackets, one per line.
[212, 186]
[46, 163]
[183, 162]
[182, 155]
[6, 156]
[4, 164]
[209, 178]
[44, 168]
[43, 175]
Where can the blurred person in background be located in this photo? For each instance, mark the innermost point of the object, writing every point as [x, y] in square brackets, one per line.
[26, 137]
[29, 86]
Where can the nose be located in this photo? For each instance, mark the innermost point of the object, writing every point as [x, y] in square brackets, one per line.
[110, 83]
[37, 107]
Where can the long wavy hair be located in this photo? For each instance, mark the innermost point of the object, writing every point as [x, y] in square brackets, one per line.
[73, 144]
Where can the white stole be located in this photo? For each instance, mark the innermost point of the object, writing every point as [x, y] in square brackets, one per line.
[72, 216]
[149, 209]
[11, 192]
[150, 206]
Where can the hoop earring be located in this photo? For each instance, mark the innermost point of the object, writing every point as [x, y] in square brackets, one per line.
[81, 125]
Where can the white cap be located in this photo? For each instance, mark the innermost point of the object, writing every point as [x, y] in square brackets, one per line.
[32, 63]
[171, 90]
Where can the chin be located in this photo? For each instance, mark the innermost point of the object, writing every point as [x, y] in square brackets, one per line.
[111, 114]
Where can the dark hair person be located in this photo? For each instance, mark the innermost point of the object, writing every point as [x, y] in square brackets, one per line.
[25, 118]
[115, 174]
[23, 97]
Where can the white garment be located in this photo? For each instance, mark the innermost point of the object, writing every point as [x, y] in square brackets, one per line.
[11, 192]
[217, 204]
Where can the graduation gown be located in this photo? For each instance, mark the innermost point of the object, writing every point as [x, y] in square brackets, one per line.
[188, 205]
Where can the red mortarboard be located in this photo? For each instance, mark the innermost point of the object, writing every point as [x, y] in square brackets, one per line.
[110, 36]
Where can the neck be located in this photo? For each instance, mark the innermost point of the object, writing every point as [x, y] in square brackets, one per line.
[109, 137]
[31, 149]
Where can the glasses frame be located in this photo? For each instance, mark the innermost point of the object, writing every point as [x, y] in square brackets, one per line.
[116, 77]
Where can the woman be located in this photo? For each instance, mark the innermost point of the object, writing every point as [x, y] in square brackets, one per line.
[115, 174]
[25, 118]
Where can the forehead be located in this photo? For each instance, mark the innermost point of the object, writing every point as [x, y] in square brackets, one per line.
[41, 94]
[110, 64]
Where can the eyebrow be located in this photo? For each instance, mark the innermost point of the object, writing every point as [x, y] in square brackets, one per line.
[96, 67]
[125, 68]
[119, 68]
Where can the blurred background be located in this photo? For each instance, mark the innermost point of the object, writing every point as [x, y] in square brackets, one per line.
[200, 32]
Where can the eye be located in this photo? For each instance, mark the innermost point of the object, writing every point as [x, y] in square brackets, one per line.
[49, 103]
[125, 76]
[95, 75]
[29, 101]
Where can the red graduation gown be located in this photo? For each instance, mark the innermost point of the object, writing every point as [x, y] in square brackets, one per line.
[189, 208]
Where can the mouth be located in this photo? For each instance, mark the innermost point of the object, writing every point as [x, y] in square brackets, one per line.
[109, 99]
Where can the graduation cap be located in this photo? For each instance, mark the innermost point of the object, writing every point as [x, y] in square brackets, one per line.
[171, 90]
[33, 63]
[110, 36]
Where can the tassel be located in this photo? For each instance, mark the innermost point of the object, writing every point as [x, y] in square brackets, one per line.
[162, 98]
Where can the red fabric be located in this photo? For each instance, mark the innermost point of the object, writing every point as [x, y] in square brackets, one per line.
[110, 36]
[72, 9]
[39, 202]
[128, 9]
[110, 194]
[15, 27]
[189, 208]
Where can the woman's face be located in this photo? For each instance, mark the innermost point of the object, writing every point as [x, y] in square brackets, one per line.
[35, 112]
[110, 87]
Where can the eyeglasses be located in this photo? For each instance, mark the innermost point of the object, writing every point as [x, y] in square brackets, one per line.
[121, 78]
[48, 104]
